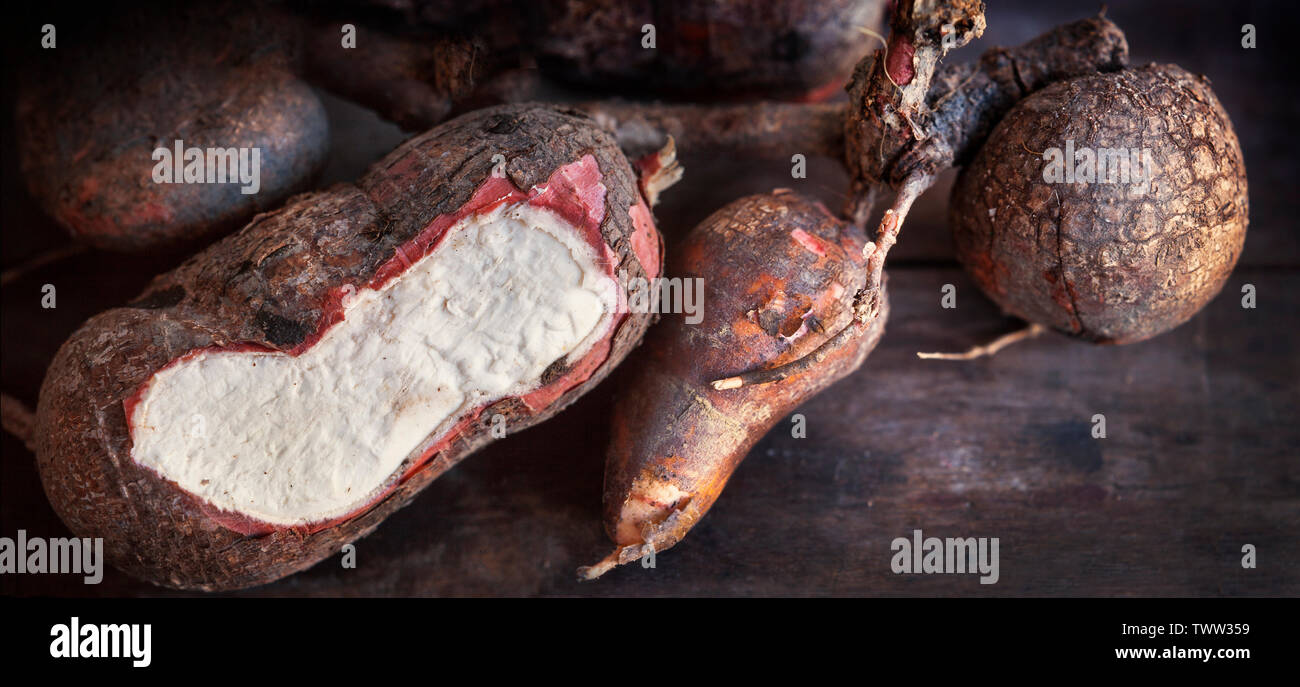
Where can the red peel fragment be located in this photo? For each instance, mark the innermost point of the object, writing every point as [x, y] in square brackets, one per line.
[898, 61]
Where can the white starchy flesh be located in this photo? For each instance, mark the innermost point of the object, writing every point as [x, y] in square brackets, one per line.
[295, 440]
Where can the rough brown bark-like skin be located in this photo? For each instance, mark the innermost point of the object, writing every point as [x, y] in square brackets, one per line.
[91, 116]
[966, 101]
[888, 89]
[962, 102]
[268, 285]
[761, 286]
[1100, 261]
[704, 48]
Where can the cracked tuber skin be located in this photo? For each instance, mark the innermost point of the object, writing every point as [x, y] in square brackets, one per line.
[1099, 261]
[787, 290]
[1106, 261]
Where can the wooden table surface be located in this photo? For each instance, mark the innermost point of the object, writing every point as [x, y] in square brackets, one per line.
[1203, 423]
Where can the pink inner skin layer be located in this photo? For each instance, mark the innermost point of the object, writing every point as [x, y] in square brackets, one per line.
[810, 243]
[576, 193]
[645, 240]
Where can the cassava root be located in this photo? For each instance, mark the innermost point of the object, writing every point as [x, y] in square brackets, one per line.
[792, 310]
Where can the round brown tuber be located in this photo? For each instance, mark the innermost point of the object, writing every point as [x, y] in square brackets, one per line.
[1131, 251]
[94, 122]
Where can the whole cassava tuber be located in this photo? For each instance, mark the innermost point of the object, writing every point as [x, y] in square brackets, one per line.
[793, 302]
[223, 79]
[1111, 207]
[92, 120]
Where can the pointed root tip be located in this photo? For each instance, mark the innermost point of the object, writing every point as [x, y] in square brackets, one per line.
[728, 383]
[619, 556]
[588, 573]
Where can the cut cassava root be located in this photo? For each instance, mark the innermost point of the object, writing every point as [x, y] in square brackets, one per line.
[782, 279]
[142, 404]
[448, 326]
